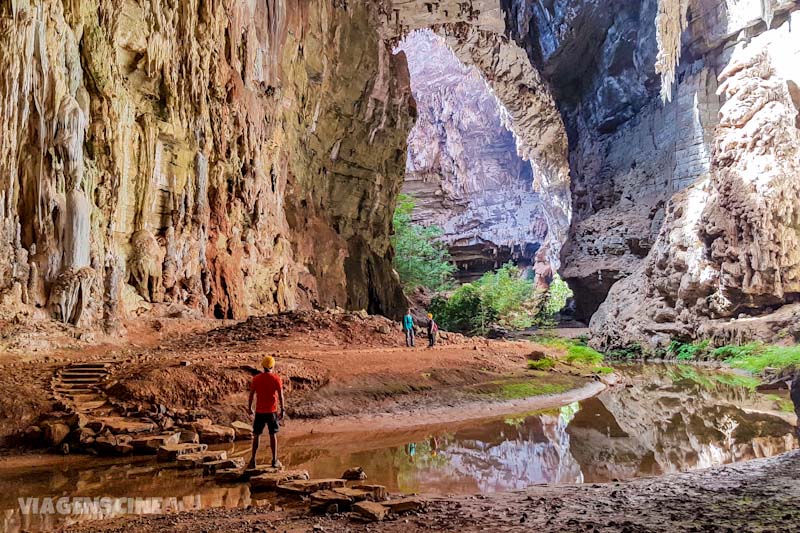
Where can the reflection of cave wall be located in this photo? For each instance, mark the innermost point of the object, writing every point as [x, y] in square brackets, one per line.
[463, 168]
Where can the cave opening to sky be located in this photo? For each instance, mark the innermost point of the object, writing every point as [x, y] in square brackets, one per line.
[464, 169]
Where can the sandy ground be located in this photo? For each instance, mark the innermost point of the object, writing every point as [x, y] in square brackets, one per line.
[756, 496]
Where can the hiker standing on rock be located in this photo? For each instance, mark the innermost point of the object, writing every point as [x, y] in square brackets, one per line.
[433, 329]
[268, 390]
[408, 327]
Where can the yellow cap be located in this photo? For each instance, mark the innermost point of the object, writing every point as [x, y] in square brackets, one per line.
[268, 362]
[430, 315]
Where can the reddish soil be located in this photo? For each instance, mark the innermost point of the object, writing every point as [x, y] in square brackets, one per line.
[332, 363]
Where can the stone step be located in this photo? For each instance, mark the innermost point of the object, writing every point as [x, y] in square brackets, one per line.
[84, 407]
[308, 486]
[102, 365]
[73, 386]
[84, 370]
[76, 380]
[73, 391]
[82, 375]
[271, 480]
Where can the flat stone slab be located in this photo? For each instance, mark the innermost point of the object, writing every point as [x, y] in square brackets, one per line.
[152, 444]
[198, 459]
[228, 475]
[259, 470]
[214, 434]
[171, 452]
[243, 430]
[404, 505]
[309, 486]
[356, 495]
[324, 498]
[271, 480]
[127, 425]
[379, 492]
[371, 510]
[210, 468]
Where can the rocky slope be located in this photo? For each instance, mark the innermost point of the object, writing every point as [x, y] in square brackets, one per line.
[463, 169]
[221, 158]
[683, 190]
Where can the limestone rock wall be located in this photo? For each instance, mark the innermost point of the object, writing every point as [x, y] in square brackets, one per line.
[647, 175]
[463, 169]
[218, 157]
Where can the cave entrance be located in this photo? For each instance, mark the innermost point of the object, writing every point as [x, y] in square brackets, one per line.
[464, 171]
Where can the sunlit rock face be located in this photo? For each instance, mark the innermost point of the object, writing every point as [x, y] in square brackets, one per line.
[217, 158]
[463, 169]
[686, 194]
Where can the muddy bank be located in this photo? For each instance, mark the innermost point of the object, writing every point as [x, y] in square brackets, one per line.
[759, 495]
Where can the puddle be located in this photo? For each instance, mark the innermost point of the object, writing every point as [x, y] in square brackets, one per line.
[671, 418]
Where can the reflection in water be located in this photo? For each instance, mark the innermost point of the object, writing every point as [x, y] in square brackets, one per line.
[669, 418]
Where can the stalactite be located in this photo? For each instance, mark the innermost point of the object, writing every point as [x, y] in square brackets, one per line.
[670, 23]
[767, 11]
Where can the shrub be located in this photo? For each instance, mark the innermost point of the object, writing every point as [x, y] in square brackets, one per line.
[756, 358]
[687, 352]
[420, 259]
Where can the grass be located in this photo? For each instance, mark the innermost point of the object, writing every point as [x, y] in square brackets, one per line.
[541, 364]
[755, 357]
[583, 355]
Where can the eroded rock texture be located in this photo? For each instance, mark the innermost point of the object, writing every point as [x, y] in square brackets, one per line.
[226, 157]
[463, 169]
[681, 200]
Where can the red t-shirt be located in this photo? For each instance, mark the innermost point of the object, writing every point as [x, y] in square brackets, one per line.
[266, 386]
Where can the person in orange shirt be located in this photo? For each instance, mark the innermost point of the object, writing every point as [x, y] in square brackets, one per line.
[268, 391]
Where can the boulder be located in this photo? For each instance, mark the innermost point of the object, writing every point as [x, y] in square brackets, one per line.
[55, 432]
[210, 468]
[310, 486]
[171, 452]
[105, 444]
[215, 434]
[271, 480]
[379, 492]
[354, 474]
[371, 510]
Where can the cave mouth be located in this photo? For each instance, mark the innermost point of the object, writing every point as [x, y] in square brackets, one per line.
[465, 170]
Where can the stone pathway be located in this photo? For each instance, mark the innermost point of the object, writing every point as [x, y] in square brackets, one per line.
[79, 387]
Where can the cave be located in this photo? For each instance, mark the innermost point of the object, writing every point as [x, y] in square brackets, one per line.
[463, 169]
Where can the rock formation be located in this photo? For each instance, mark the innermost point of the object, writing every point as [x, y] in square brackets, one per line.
[463, 169]
[681, 211]
[218, 157]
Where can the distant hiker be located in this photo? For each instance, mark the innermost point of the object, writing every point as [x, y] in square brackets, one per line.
[268, 390]
[408, 327]
[433, 329]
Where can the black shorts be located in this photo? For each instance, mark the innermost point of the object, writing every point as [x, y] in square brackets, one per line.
[266, 419]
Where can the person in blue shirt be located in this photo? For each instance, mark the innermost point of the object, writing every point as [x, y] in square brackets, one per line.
[408, 327]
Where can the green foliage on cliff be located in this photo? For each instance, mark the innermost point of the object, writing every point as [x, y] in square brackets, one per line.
[556, 297]
[420, 258]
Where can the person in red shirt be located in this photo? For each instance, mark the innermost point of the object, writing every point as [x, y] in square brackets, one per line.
[268, 391]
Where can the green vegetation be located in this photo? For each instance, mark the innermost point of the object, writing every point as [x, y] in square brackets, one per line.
[631, 351]
[711, 380]
[549, 303]
[688, 351]
[420, 259]
[753, 357]
[583, 355]
[541, 364]
[496, 298]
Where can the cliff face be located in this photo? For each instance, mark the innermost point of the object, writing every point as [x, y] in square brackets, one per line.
[683, 198]
[463, 168]
[218, 157]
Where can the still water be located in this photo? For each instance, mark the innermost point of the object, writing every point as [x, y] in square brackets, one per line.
[667, 419]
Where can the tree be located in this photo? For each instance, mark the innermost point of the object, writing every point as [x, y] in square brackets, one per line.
[421, 259]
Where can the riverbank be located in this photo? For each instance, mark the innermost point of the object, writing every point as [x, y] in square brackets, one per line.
[334, 364]
[758, 495]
